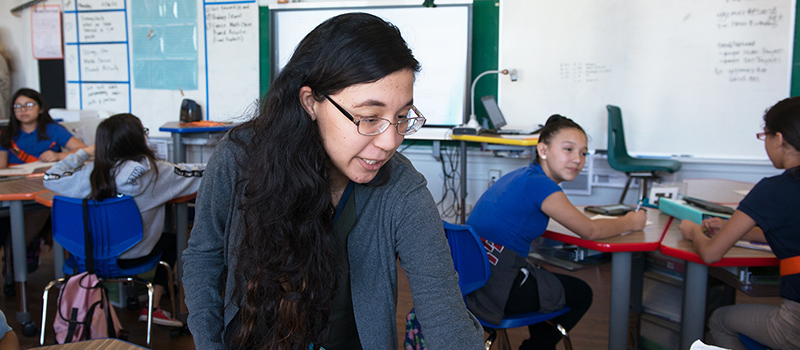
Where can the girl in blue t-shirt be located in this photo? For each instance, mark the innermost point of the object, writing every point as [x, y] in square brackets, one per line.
[31, 134]
[769, 213]
[515, 211]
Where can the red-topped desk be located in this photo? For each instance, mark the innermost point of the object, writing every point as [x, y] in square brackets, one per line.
[621, 249]
[696, 278]
[695, 281]
[12, 194]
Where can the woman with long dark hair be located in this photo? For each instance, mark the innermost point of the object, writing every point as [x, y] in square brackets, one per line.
[31, 134]
[305, 210]
[125, 164]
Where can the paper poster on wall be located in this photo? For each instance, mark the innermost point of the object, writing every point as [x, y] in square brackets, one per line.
[231, 39]
[96, 55]
[164, 44]
[46, 32]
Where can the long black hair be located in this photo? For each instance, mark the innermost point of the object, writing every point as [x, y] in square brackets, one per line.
[12, 129]
[285, 256]
[553, 126]
[784, 118]
[119, 138]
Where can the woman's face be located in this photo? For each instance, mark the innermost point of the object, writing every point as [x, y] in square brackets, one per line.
[26, 115]
[564, 156]
[355, 156]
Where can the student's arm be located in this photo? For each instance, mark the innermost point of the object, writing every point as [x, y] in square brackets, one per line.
[70, 177]
[3, 159]
[72, 146]
[9, 341]
[713, 225]
[713, 249]
[559, 208]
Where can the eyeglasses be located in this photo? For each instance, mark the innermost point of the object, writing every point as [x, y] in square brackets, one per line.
[763, 135]
[25, 107]
[370, 126]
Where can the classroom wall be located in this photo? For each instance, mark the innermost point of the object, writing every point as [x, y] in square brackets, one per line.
[15, 34]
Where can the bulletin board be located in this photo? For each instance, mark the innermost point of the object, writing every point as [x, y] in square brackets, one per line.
[440, 38]
[692, 78]
[145, 57]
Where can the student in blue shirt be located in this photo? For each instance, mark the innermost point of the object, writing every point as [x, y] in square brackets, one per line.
[769, 213]
[31, 134]
[515, 211]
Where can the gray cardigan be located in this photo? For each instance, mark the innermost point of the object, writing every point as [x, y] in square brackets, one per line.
[397, 221]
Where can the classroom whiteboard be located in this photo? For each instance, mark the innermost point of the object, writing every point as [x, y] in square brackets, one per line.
[109, 49]
[439, 37]
[691, 77]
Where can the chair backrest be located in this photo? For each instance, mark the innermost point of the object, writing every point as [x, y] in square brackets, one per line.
[616, 137]
[115, 225]
[469, 257]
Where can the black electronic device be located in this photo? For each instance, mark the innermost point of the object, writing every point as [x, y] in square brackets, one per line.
[710, 206]
[499, 121]
[610, 209]
[190, 111]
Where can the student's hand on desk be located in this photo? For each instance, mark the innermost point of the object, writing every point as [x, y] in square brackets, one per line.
[89, 150]
[638, 218]
[712, 225]
[49, 156]
[689, 229]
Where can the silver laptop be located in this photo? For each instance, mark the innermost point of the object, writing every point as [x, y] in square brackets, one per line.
[498, 121]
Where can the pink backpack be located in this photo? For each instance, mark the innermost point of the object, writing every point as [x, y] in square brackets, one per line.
[84, 311]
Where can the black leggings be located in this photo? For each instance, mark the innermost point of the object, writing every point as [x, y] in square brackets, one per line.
[167, 246]
[525, 299]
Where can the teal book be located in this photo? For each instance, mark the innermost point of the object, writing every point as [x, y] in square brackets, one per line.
[679, 209]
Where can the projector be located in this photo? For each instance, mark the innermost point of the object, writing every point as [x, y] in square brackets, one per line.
[466, 130]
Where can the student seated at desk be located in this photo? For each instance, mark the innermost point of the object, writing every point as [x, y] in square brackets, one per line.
[124, 164]
[769, 213]
[31, 134]
[515, 211]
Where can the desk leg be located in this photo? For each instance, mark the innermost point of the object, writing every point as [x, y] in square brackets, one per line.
[178, 149]
[20, 263]
[620, 299]
[694, 303]
[182, 222]
[463, 200]
[58, 259]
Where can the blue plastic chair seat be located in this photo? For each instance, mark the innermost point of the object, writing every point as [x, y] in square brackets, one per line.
[751, 344]
[115, 225]
[472, 265]
[522, 320]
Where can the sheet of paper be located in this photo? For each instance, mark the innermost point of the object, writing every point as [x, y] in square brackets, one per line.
[754, 245]
[699, 345]
[27, 168]
[601, 216]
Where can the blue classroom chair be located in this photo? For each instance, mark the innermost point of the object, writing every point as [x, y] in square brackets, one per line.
[472, 265]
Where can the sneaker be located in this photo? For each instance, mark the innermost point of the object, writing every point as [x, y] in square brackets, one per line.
[160, 317]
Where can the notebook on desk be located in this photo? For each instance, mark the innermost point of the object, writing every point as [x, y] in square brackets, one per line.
[498, 121]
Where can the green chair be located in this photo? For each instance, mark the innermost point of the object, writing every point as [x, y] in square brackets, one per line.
[644, 169]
